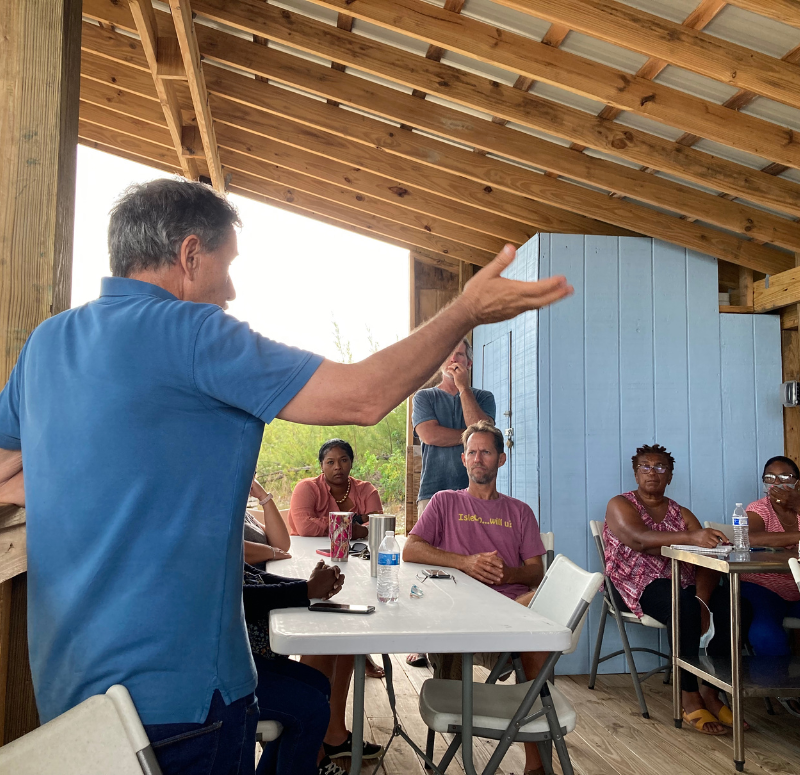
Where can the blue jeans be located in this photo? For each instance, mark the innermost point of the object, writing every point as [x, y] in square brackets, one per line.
[298, 696]
[224, 744]
[767, 636]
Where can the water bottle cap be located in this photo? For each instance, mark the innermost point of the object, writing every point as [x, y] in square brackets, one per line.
[389, 533]
[738, 504]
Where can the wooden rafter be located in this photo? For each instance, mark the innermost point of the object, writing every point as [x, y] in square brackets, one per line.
[184, 28]
[546, 63]
[655, 36]
[557, 193]
[786, 11]
[512, 144]
[144, 18]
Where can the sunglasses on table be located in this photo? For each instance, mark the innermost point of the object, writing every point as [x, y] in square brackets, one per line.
[659, 468]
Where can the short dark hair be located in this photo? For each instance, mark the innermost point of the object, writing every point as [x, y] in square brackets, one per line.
[150, 221]
[333, 443]
[484, 426]
[655, 449]
[782, 459]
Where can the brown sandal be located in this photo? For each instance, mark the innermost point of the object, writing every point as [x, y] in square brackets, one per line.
[699, 718]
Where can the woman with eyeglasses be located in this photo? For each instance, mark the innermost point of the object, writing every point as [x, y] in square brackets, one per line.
[774, 521]
[638, 524]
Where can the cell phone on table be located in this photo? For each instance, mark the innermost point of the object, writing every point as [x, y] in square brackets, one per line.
[342, 608]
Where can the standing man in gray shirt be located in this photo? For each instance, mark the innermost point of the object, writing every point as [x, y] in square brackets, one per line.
[441, 414]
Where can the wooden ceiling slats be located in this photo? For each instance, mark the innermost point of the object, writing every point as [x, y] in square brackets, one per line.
[138, 146]
[522, 55]
[655, 36]
[786, 11]
[121, 101]
[125, 124]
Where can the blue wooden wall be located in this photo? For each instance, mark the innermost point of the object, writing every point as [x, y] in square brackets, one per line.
[639, 354]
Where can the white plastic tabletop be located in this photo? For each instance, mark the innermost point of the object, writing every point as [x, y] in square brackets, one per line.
[451, 618]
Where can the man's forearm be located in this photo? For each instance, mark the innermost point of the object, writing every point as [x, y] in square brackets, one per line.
[471, 408]
[529, 575]
[422, 552]
[12, 486]
[439, 436]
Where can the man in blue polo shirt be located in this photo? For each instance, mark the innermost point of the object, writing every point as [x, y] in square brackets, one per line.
[137, 420]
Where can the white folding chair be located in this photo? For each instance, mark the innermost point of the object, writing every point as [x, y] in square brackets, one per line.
[612, 607]
[535, 711]
[101, 736]
[793, 622]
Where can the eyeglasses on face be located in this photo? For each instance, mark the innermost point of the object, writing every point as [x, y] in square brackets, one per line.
[782, 478]
[659, 468]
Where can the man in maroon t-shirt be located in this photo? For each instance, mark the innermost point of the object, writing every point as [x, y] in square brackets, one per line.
[488, 536]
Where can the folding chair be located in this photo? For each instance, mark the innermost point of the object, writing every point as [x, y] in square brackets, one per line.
[612, 607]
[535, 711]
[722, 527]
[101, 736]
[549, 541]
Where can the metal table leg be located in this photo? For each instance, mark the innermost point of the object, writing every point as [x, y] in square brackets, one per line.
[736, 669]
[359, 676]
[676, 640]
[466, 714]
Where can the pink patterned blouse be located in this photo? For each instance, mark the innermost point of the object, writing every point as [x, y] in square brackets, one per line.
[629, 570]
[780, 583]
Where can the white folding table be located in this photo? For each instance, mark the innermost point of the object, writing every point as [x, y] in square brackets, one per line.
[463, 617]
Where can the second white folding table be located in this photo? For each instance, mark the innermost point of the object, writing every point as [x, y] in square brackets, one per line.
[463, 617]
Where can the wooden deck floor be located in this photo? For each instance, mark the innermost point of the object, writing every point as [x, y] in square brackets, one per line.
[611, 737]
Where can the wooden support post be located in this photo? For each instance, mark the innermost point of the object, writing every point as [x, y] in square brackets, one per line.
[40, 62]
[790, 357]
[745, 287]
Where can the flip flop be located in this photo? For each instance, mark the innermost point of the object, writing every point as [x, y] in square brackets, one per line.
[787, 705]
[699, 718]
[373, 670]
[417, 660]
[725, 717]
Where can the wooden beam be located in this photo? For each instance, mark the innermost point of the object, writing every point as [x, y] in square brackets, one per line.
[512, 144]
[125, 154]
[123, 102]
[184, 27]
[785, 11]
[746, 287]
[486, 170]
[144, 18]
[39, 59]
[783, 290]
[736, 309]
[655, 36]
[117, 122]
[146, 151]
[789, 317]
[537, 61]
[753, 135]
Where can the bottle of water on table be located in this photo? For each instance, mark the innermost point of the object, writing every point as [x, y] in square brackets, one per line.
[741, 531]
[389, 569]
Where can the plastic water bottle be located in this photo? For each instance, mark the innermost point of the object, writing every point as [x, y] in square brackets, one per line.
[388, 569]
[741, 530]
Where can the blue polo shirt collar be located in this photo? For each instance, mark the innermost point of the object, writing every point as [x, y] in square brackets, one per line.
[125, 286]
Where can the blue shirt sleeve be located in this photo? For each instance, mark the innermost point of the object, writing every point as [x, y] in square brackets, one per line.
[235, 365]
[423, 408]
[10, 437]
[487, 404]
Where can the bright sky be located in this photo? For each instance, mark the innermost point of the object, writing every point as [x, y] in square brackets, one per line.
[294, 276]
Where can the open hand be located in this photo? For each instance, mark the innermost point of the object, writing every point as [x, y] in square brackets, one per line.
[325, 581]
[489, 298]
[279, 554]
[485, 566]
[788, 498]
[707, 538]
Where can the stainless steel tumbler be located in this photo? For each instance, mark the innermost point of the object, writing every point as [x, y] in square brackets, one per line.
[378, 525]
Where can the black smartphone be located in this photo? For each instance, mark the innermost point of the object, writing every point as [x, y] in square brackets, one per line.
[341, 608]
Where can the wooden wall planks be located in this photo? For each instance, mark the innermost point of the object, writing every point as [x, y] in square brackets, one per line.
[639, 354]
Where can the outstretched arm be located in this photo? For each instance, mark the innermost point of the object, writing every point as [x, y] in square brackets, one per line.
[12, 485]
[340, 393]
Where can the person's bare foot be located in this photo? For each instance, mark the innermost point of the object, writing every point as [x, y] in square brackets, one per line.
[713, 702]
[373, 671]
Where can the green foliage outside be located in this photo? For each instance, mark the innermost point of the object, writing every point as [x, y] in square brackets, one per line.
[289, 451]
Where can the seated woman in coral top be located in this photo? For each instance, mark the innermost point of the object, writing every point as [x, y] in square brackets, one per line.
[333, 490]
[774, 521]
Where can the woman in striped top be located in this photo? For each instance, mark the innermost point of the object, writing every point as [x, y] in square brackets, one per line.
[774, 521]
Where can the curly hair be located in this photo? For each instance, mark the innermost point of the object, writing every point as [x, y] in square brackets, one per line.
[655, 449]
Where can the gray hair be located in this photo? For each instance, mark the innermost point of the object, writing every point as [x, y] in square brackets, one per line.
[468, 347]
[150, 221]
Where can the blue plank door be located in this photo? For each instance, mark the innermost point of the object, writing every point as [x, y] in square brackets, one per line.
[638, 355]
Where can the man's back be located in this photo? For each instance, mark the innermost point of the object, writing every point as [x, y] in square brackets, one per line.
[134, 571]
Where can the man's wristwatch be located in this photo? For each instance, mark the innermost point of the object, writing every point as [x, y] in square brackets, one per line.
[266, 499]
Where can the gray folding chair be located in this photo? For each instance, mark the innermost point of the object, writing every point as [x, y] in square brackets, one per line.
[612, 607]
[549, 541]
[101, 735]
[722, 527]
[532, 711]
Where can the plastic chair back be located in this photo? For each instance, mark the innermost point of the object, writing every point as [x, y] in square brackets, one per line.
[101, 735]
[549, 541]
[565, 594]
[794, 567]
[722, 527]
